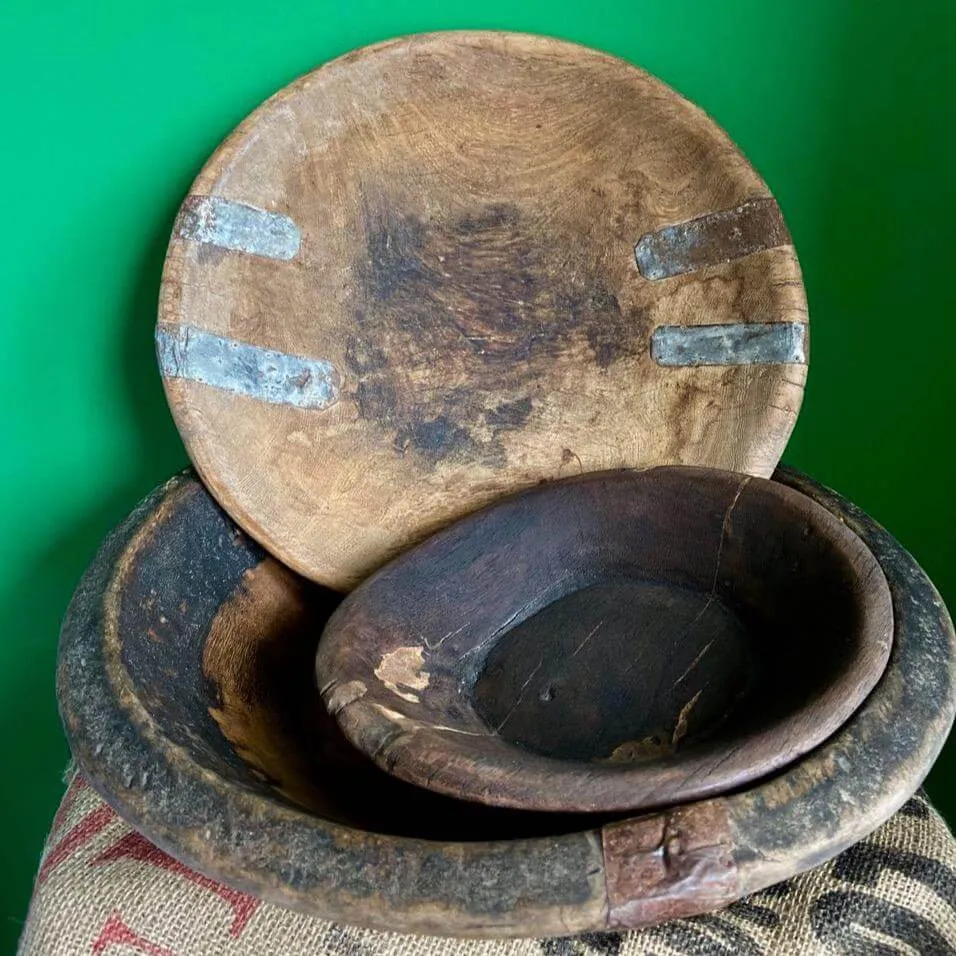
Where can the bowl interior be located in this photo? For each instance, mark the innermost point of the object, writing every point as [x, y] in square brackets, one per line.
[219, 642]
[616, 641]
[621, 671]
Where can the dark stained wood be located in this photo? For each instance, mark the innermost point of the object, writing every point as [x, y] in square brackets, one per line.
[184, 687]
[410, 284]
[619, 672]
[618, 641]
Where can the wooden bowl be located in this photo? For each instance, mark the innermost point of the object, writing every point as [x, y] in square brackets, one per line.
[444, 267]
[185, 685]
[619, 641]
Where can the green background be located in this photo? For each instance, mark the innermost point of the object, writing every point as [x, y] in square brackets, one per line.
[109, 110]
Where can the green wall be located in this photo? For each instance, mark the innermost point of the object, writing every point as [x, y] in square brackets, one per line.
[109, 109]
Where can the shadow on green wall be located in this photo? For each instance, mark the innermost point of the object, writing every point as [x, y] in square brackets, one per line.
[877, 252]
[33, 605]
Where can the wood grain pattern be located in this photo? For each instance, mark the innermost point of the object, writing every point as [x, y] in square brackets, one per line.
[227, 761]
[615, 641]
[450, 222]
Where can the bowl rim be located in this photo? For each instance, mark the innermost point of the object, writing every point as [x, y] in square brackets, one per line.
[383, 723]
[716, 850]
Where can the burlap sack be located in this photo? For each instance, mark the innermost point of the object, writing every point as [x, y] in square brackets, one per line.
[103, 888]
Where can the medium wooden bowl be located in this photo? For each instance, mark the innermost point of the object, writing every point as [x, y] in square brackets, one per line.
[186, 689]
[618, 641]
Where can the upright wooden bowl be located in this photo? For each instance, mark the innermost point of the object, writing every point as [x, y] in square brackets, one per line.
[444, 267]
[186, 690]
[619, 641]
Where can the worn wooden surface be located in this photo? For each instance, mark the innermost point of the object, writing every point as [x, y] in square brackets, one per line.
[448, 266]
[618, 641]
[226, 761]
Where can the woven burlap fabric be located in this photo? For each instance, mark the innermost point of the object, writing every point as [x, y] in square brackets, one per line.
[103, 888]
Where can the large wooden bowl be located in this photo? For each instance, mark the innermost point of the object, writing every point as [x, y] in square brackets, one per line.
[619, 641]
[445, 267]
[186, 689]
